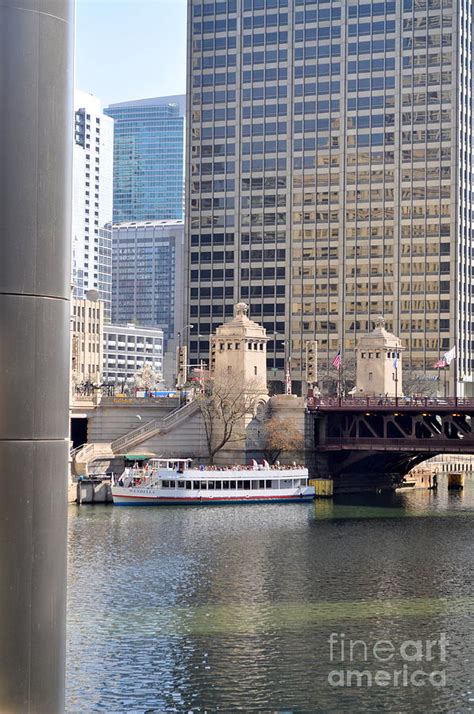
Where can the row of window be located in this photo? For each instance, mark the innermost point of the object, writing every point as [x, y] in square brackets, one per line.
[226, 485]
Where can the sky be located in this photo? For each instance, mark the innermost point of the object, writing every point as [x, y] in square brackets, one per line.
[130, 49]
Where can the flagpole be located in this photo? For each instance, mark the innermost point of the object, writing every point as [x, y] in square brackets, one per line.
[341, 373]
[445, 384]
[396, 382]
[456, 380]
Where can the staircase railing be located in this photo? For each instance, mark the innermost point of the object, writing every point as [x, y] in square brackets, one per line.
[152, 427]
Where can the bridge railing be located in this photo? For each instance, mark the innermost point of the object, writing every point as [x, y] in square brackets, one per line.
[315, 403]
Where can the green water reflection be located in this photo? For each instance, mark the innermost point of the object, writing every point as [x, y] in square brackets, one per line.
[233, 609]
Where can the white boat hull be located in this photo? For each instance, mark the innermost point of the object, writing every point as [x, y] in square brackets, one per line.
[143, 496]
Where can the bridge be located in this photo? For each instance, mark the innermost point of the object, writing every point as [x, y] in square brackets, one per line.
[367, 443]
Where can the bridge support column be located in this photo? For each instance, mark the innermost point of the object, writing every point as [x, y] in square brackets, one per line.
[36, 132]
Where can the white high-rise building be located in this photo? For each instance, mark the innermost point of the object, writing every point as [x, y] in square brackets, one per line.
[92, 199]
[127, 348]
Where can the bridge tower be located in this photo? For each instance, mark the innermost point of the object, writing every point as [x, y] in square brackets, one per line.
[239, 349]
[379, 363]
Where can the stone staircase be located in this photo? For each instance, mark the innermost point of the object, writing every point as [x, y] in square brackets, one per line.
[86, 455]
[153, 428]
[83, 457]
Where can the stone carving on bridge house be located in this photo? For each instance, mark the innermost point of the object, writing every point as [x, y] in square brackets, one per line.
[379, 363]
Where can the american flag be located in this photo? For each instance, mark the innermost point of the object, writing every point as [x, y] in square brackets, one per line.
[440, 364]
[337, 361]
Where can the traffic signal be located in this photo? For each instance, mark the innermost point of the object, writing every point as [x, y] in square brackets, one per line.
[212, 361]
[182, 366]
[311, 362]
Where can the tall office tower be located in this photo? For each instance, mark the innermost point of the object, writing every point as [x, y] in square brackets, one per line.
[330, 173]
[148, 275]
[92, 199]
[148, 159]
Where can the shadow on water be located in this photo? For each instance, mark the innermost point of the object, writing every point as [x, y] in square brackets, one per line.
[409, 503]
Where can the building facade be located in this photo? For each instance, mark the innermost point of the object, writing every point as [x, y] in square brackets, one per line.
[329, 164]
[148, 275]
[92, 199]
[87, 327]
[127, 348]
[148, 159]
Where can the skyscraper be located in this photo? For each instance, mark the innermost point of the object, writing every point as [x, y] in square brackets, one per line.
[92, 199]
[148, 275]
[148, 159]
[330, 173]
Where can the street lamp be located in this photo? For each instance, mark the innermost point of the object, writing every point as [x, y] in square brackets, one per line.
[186, 327]
[182, 362]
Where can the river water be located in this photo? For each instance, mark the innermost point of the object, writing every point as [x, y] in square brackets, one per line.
[277, 608]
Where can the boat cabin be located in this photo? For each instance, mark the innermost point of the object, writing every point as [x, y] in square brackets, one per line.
[178, 474]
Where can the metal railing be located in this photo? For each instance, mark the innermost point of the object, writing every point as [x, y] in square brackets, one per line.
[314, 403]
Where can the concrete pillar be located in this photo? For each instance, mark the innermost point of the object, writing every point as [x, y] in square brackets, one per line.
[36, 132]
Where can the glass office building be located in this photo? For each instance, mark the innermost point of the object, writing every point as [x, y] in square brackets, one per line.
[148, 159]
[148, 275]
[330, 173]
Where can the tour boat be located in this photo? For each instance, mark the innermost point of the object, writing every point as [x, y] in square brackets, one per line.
[177, 482]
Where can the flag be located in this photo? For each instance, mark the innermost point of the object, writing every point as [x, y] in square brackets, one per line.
[337, 361]
[440, 364]
[449, 356]
[395, 361]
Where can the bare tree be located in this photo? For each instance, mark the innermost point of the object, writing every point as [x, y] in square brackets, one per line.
[225, 401]
[281, 435]
[147, 377]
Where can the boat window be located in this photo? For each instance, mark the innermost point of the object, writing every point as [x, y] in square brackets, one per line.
[261, 483]
[233, 484]
[268, 484]
[225, 485]
[210, 485]
[254, 484]
[165, 484]
[196, 485]
[218, 485]
[246, 484]
[180, 484]
[188, 484]
[240, 484]
[204, 486]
